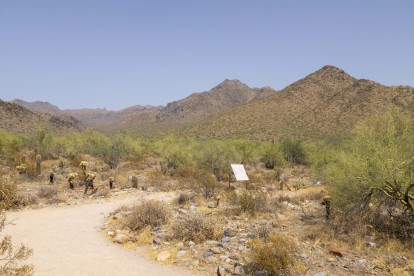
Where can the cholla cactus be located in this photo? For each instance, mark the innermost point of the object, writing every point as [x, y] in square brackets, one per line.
[83, 165]
[91, 176]
[21, 168]
[71, 177]
[327, 202]
[89, 182]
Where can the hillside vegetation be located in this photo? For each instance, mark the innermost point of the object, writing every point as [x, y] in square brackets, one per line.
[17, 119]
[325, 104]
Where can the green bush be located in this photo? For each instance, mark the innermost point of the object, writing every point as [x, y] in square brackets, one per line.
[374, 171]
[271, 155]
[293, 151]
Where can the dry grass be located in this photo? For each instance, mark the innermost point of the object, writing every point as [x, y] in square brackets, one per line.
[196, 227]
[149, 213]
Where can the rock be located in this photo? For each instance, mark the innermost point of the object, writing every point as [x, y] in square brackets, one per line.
[263, 272]
[191, 243]
[121, 238]
[225, 239]
[215, 250]
[179, 245]
[229, 233]
[211, 205]
[182, 211]
[238, 269]
[195, 263]
[123, 232]
[211, 242]
[321, 273]
[207, 254]
[234, 257]
[111, 233]
[156, 229]
[362, 261]
[336, 252]
[211, 259]
[157, 241]
[117, 216]
[181, 254]
[163, 256]
[221, 271]
[370, 244]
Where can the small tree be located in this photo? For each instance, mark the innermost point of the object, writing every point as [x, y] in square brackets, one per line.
[293, 151]
[375, 171]
[271, 156]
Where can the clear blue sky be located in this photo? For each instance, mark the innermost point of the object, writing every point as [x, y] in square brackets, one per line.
[114, 54]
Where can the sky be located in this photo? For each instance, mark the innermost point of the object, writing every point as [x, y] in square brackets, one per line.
[114, 54]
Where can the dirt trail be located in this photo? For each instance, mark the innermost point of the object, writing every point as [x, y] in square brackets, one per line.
[68, 241]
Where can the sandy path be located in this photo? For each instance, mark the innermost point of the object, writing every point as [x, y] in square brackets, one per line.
[68, 241]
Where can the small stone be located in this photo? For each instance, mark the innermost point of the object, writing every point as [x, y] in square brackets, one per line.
[191, 243]
[221, 271]
[321, 273]
[195, 263]
[239, 270]
[111, 233]
[117, 216]
[120, 238]
[163, 256]
[336, 252]
[157, 241]
[211, 205]
[225, 239]
[215, 250]
[229, 233]
[211, 259]
[156, 229]
[234, 257]
[179, 245]
[207, 254]
[261, 273]
[370, 244]
[123, 232]
[182, 211]
[362, 261]
[181, 254]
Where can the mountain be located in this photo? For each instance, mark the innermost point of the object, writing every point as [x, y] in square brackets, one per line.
[18, 119]
[192, 109]
[95, 117]
[198, 106]
[43, 107]
[324, 104]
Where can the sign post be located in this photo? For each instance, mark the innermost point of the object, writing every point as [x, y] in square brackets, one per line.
[239, 173]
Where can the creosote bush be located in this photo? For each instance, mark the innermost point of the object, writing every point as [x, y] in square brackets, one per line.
[271, 156]
[47, 192]
[149, 213]
[253, 202]
[195, 227]
[275, 255]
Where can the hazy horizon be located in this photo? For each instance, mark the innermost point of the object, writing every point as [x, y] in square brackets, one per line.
[96, 54]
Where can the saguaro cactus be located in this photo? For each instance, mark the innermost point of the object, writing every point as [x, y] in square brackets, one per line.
[38, 163]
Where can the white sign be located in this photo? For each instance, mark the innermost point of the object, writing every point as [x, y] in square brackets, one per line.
[239, 172]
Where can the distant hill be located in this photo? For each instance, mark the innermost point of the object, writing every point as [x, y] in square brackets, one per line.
[95, 117]
[18, 119]
[325, 104]
[192, 109]
[197, 106]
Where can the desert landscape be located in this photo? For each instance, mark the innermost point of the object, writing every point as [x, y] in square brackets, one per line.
[260, 138]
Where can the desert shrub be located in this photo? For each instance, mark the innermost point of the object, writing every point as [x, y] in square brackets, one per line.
[373, 173]
[195, 227]
[275, 255]
[271, 155]
[150, 213]
[183, 199]
[216, 157]
[293, 151]
[207, 183]
[246, 151]
[253, 202]
[47, 192]
[10, 256]
[8, 194]
[173, 159]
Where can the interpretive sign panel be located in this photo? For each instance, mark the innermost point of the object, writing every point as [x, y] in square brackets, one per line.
[239, 172]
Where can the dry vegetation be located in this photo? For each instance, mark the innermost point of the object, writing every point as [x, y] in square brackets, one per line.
[274, 224]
